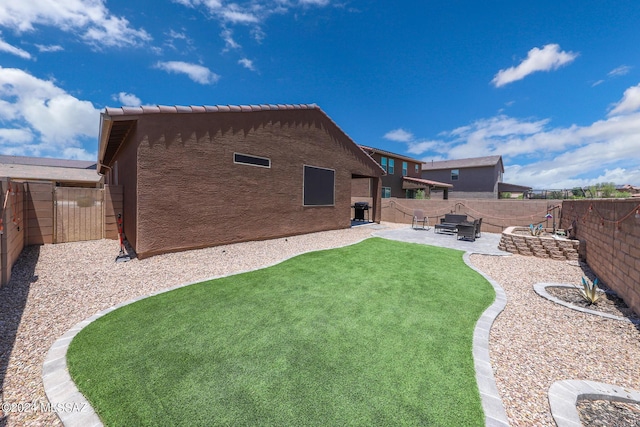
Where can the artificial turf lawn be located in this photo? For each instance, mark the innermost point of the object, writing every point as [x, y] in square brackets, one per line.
[378, 333]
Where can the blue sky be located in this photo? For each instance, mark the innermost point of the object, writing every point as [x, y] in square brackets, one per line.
[554, 87]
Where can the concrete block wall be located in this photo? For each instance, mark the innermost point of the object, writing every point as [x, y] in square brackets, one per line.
[609, 232]
[496, 214]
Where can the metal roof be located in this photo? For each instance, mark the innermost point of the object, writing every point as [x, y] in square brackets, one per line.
[49, 173]
[46, 161]
[427, 182]
[472, 162]
[390, 154]
[116, 123]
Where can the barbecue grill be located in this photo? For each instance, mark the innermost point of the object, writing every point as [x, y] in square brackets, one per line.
[359, 209]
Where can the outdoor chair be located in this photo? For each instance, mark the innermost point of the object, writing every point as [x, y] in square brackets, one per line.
[467, 230]
[420, 218]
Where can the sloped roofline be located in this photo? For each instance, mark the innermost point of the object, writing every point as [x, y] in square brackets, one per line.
[391, 154]
[127, 116]
[472, 162]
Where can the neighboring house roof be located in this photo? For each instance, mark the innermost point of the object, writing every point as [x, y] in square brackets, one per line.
[46, 161]
[512, 188]
[473, 162]
[48, 169]
[116, 123]
[49, 173]
[372, 150]
[428, 182]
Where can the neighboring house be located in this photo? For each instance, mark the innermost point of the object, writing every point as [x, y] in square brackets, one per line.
[403, 178]
[196, 176]
[512, 191]
[61, 172]
[478, 177]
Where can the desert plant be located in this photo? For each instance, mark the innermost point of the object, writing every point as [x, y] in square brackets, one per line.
[535, 230]
[589, 291]
[505, 195]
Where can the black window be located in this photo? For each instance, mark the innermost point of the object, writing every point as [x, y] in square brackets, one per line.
[318, 186]
[246, 159]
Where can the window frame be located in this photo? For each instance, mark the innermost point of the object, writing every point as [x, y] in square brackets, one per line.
[405, 168]
[392, 166]
[383, 163]
[236, 162]
[384, 192]
[455, 174]
[304, 188]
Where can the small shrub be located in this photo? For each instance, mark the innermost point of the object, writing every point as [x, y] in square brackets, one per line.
[505, 195]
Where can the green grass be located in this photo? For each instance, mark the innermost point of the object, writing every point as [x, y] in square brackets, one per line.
[377, 333]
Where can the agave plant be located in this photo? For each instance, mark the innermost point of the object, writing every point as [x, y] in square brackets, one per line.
[589, 291]
[535, 230]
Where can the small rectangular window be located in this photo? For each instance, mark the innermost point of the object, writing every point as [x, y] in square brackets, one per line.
[386, 192]
[247, 159]
[319, 185]
[405, 168]
[391, 166]
[417, 168]
[455, 173]
[383, 163]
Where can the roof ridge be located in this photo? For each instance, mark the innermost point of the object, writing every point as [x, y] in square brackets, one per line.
[156, 109]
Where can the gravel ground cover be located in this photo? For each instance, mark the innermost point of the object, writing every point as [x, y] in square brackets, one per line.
[533, 343]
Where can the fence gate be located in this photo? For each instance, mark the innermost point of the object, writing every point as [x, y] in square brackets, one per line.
[79, 214]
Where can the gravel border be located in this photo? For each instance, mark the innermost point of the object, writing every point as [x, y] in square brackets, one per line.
[541, 289]
[564, 396]
[536, 342]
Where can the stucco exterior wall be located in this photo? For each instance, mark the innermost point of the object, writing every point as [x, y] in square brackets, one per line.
[190, 194]
[481, 180]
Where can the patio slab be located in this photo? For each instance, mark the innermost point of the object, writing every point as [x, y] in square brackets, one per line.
[486, 245]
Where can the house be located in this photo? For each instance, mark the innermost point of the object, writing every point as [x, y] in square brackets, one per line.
[61, 172]
[403, 179]
[478, 177]
[202, 176]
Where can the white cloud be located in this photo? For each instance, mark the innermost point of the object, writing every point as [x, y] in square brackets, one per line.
[399, 135]
[90, 19]
[630, 102]
[550, 57]
[314, 2]
[195, 72]
[230, 43]
[6, 47]
[423, 146]
[247, 63]
[40, 119]
[248, 12]
[619, 71]
[539, 155]
[127, 99]
[49, 48]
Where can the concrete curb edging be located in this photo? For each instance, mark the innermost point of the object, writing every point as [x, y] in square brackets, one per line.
[495, 415]
[564, 395]
[541, 290]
